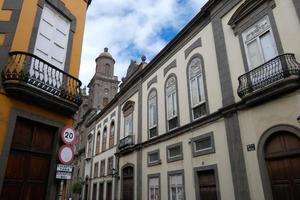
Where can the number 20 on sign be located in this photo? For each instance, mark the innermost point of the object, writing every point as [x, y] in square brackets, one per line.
[68, 135]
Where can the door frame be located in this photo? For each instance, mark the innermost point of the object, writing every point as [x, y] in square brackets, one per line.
[267, 190]
[196, 181]
[50, 193]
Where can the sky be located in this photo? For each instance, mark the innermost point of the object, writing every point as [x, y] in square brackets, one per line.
[130, 29]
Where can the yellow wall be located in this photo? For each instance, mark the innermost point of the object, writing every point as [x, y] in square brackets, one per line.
[21, 43]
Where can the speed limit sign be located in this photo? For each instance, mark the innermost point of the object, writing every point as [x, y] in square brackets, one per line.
[68, 135]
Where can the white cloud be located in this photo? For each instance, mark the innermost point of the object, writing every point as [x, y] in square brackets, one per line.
[132, 24]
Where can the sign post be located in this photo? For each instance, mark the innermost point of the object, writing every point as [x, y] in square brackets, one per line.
[65, 156]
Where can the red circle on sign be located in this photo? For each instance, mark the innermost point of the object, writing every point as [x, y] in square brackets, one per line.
[65, 154]
[66, 135]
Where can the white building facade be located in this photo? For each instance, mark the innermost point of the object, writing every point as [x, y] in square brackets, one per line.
[215, 115]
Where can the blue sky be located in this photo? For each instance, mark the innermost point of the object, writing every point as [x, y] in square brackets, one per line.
[130, 29]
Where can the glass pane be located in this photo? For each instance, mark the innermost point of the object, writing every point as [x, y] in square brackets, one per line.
[203, 144]
[194, 91]
[268, 46]
[153, 157]
[254, 56]
[174, 151]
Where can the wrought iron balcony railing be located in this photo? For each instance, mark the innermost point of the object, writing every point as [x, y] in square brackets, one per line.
[25, 70]
[276, 69]
[127, 141]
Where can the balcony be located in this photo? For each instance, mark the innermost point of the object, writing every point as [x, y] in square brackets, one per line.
[33, 80]
[278, 75]
[126, 142]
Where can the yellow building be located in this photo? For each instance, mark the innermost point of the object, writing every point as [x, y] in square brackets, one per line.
[40, 49]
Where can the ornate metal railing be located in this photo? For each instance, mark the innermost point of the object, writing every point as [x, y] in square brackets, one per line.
[127, 141]
[276, 69]
[36, 72]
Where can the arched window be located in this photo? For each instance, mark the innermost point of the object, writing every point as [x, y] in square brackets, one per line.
[171, 102]
[196, 85]
[98, 143]
[112, 134]
[104, 136]
[152, 113]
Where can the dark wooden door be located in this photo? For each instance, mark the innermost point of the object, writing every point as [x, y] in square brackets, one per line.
[109, 191]
[94, 196]
[282, 155]
[28, 164]
[101, 190]
[207, 185]
[128, 184]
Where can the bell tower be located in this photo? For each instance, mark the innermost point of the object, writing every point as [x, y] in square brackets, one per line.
[104, 85]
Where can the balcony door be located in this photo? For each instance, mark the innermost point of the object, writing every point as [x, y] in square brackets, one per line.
[52, 38]
[260, 47]
[282, 156]
[51, 45]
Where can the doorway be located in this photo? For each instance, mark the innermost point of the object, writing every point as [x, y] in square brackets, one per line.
[128, 183]
[29, 161]
[282, 157]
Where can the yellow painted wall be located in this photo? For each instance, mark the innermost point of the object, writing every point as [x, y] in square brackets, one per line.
[21, 43]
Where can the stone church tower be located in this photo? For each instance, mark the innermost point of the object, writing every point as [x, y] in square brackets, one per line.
[104, 85]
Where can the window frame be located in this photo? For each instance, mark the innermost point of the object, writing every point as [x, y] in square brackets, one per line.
[104, 139]
[174, 173]
[110, 171]
[158, 162]
[150, 176]
[177, 116]
[111, 142]
[156, 113]
[96, 170]
[176, 158]
[102, 170]
[204, 86]
[201, 138]
[257, 38]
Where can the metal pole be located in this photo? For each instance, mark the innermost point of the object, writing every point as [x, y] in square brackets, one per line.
[61, 188]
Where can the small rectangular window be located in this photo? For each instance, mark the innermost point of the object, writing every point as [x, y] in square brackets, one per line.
[152, 132]
[203, 144]
[173, 123]
[153, 158]
[174, 152]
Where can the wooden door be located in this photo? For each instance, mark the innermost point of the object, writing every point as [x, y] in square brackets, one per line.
[282, 155]
[109, 191]
[28, 165]
[207, 185]
[128, 184]
[101, 191]
[94, 196]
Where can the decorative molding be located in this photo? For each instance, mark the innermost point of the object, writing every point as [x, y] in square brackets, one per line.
[196, 44]
[170, 66]
[152, 81]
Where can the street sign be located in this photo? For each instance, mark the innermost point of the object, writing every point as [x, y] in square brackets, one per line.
[68, 135]
[64, 168]
[63, 175]
[65, 154]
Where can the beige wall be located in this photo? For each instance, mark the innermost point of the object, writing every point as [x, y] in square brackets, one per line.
[220, 157]
[212, 81]
[288, 26]
[255, 121]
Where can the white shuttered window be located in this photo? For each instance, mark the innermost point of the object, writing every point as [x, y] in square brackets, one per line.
[52, 38]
